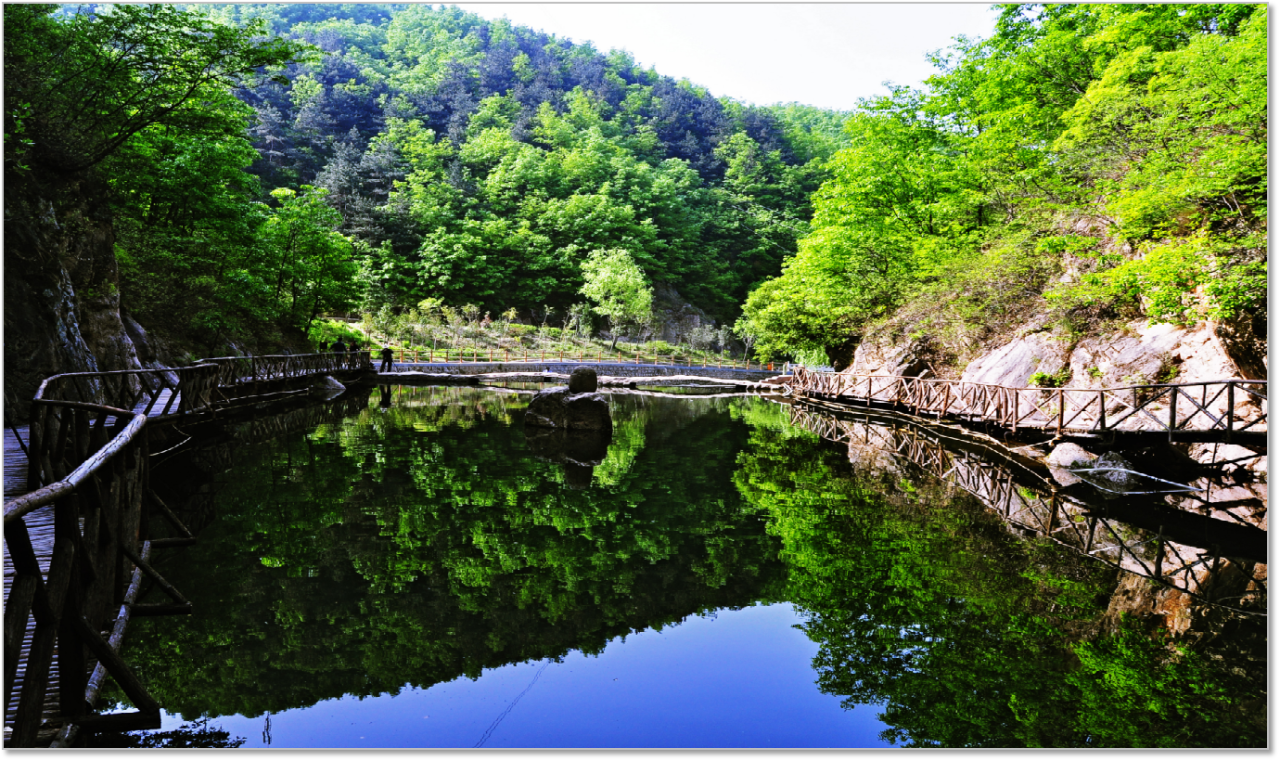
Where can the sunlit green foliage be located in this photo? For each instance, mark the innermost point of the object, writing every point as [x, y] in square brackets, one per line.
[1140, 128]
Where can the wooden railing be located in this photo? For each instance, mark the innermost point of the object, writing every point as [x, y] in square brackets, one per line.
[490, 354]
[154, 393]
[92, 460]
[1227, 408]
[233, 371]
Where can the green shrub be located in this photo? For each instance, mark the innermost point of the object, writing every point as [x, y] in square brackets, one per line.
[1051, 380]
[657, 347]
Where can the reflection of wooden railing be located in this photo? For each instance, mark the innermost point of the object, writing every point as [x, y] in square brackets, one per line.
[1033, 506]
[1224, 410]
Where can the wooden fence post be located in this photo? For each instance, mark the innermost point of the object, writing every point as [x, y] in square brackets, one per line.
[1062, 410]
[1231, 408]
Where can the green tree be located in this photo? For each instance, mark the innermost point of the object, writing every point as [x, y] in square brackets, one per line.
[618, 287]
[88, 82]
[311, 262]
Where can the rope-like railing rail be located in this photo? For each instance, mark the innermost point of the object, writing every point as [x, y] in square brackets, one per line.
[156, 393]
[19, 506]
[1232, 407]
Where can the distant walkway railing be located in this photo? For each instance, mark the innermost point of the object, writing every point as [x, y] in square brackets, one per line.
[1223, 410]
[270, 367]
[490, 354]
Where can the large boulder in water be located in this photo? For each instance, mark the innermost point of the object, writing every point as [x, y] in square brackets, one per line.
[1068, 455]
[558, 407]
[574, 407]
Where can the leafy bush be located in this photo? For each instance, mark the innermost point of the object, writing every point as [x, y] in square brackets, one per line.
[657, 347]
[1051, 380]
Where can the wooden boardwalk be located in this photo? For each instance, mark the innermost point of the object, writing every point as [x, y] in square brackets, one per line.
[1233, 410]
[40, 528]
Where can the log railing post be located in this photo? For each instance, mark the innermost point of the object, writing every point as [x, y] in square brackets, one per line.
[1173, 411]
[1231, 408]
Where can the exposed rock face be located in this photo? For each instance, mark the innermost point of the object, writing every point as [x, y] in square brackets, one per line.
[1068, 455]
[877, 358]
[1014, 363]
[558, 407]
[1245, 341]
[62, 303]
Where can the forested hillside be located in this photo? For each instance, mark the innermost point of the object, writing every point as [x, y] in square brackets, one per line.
[467, 161]
[224, 174]
[1095, 162]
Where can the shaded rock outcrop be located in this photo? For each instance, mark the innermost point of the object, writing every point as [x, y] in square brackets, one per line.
[61, 290]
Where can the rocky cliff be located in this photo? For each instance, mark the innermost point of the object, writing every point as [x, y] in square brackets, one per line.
[61, 291]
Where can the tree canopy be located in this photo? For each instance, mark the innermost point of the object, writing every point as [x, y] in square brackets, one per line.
[1121, 146]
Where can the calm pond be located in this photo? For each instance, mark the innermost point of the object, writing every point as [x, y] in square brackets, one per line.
[406, 569]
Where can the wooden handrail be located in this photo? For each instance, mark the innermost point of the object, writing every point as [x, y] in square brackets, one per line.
[1123, 408]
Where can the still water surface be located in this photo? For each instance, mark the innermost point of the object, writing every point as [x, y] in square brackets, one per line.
[411, 570]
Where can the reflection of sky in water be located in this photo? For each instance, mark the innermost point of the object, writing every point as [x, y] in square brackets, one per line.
[741, 679]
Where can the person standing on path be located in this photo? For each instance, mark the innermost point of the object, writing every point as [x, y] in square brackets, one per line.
[387, 364]
[338, 346]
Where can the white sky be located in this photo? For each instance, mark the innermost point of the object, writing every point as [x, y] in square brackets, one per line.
[820, 54]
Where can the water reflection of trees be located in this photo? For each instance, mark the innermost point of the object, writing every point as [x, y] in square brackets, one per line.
[1190, 550]
[967, 635]
[419, 542]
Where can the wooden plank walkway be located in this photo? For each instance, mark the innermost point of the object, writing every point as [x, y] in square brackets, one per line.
[40, 528]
